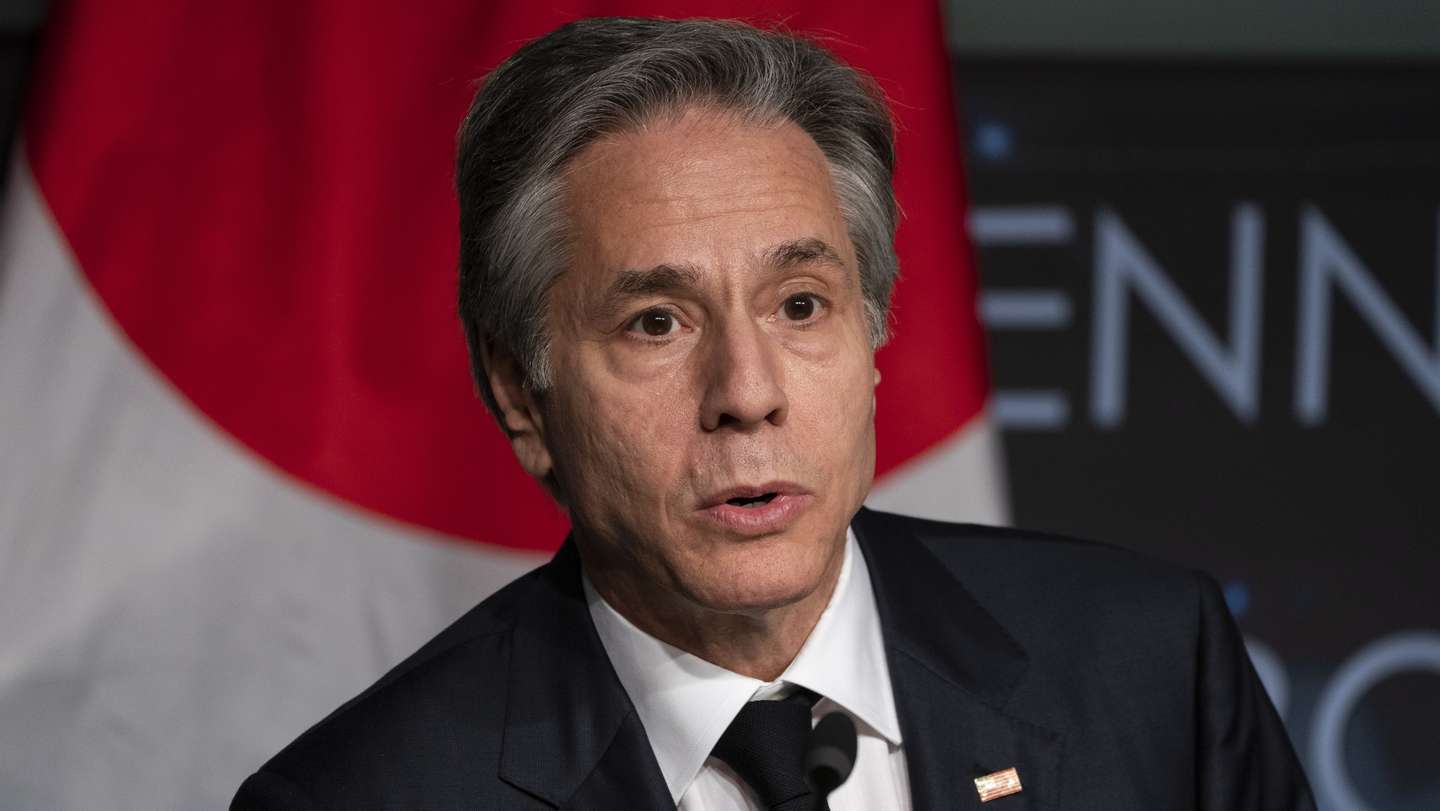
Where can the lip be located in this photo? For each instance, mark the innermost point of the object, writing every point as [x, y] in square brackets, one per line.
[789, 502]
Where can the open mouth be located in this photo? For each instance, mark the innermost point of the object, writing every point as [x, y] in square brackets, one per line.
[758, 509]
[751, 501]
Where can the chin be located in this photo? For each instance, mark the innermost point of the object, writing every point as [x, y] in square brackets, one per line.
[761, 575]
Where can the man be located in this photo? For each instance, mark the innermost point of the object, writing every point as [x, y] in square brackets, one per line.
[676, 264]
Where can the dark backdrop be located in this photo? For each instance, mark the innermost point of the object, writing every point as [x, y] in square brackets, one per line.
[1212, 294]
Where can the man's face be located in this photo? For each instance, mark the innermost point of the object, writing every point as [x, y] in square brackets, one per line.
[711, 425]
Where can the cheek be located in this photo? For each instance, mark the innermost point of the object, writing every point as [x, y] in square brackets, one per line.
[836, 369]
[838, 415]
[620, 446]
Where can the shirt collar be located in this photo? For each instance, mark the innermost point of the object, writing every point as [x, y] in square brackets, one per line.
[685, 703]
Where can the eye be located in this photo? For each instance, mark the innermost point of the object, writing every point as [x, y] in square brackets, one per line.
[655, 323]
[801, 306]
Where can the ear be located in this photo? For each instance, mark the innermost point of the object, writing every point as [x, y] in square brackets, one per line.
[519, 411]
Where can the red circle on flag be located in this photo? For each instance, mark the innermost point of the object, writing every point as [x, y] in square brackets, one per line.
[262, 198]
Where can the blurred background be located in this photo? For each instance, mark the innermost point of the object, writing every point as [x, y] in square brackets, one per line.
[1209, 248]
[1207, 267]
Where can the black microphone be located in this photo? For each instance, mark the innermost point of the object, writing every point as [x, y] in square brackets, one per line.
[830, 756]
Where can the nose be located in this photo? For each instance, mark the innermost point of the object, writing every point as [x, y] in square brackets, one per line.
[744, 385]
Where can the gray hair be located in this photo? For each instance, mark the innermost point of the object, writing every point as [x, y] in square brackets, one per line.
[582, 81]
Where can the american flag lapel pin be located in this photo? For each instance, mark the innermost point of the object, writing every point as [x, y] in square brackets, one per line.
[999, 784]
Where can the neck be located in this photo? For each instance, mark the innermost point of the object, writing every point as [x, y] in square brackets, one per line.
[759, 643]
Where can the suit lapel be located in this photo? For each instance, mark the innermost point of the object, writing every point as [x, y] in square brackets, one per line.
[572, 737]
[953, 668]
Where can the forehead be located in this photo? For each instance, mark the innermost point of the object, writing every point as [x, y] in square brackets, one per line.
[703, 188]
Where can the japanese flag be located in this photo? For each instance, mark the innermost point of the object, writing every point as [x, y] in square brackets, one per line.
[242, 467]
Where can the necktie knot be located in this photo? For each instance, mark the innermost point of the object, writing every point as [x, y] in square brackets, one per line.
[765, 745]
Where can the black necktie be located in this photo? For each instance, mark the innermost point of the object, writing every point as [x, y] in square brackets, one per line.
[765, 745]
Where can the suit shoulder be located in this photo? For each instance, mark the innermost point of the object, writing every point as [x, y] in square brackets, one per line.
[412, 718]
[477, 628]
[1092, 619]
[975, 552]
[1038, 584]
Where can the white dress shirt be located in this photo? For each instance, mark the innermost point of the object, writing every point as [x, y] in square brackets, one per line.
[685, 702]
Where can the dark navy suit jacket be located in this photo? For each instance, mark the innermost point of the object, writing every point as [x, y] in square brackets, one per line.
[1106, 679]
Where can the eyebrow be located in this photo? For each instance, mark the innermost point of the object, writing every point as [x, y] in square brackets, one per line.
[802, 251]
[670, 278]
[630, 284]
[659, 279]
